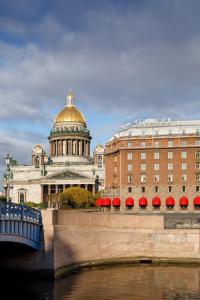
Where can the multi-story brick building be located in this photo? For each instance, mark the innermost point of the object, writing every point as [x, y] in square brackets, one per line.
[155, 158]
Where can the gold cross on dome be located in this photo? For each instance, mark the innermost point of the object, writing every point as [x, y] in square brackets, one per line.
[70, 97]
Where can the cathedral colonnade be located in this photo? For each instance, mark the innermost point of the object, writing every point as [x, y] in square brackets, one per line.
[49, 189]
[63, 147]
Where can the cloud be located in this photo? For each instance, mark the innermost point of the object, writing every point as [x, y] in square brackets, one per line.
[123, 59]
[19, 145]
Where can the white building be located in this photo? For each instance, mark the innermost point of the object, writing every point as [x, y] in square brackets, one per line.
[69, 162]
[159, 127]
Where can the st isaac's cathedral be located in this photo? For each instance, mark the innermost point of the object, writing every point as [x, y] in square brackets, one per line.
[69, 162]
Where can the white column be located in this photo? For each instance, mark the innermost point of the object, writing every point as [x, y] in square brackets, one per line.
[93, 189]
[71, 147]
[64, 147]
[86, 148]
[80, 147]
[74, 148]
[54, 148]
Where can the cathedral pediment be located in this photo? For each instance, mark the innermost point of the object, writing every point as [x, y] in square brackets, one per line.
[67, 175]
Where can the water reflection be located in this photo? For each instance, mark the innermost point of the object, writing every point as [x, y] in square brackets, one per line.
[131, 282]
[121, 282]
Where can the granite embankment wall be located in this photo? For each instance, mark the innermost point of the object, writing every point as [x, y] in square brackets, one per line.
[83, 237]
[72, 239]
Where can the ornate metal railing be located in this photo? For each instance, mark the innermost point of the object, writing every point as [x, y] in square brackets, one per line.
[19, 212]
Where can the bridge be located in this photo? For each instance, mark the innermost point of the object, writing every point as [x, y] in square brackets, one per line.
[20, 224]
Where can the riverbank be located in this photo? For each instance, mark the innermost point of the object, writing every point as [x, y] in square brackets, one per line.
[72, 240]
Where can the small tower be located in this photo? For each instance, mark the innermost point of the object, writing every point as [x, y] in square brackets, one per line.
[38, 156]
[99, 155]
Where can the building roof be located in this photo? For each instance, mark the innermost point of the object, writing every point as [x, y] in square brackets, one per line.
[159, 127]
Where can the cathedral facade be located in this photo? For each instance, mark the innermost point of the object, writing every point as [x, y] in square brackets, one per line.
[69, 162]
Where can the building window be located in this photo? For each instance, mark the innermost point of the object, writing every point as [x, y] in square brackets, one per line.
[156, 178]
[170, 166]
[156, 132]
[21, 198]
[197, 154]
[130, 167]
[197, 188]
[156, 167]
[129, 156]
[156, 155]
[156, 144]
[197, 131]
[156, 189]
[183, 189]
[170, 143]
[198, 166]
[143, 155]
[115, 169]
[129, 144]
[142, 189]
[170, 155]
[170, 178]
[183, 143]
[198, 177]
[169, 189]
[143, 144]
[170, 132]
[115, 159]
[183, 154]
[183, 132]
[197, 142]
[143, 178]
[129, 189]
[183, 166]
[184, 177]
[143, 167]
[129, 178]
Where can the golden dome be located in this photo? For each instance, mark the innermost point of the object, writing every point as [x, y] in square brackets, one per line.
[70, 113]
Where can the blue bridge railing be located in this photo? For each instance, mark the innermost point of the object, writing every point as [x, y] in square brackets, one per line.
[13, 211]
[20, 224]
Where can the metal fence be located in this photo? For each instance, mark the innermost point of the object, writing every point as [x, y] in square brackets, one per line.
[13, 211]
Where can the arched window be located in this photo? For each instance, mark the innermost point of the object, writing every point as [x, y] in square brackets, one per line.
[37, 161]
[21, 198]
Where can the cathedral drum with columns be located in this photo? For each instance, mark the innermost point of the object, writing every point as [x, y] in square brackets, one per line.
[69, 163]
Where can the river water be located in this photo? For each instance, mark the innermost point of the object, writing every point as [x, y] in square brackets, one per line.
[127, 282]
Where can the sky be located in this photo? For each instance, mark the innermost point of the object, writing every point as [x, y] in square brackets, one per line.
[123, 60]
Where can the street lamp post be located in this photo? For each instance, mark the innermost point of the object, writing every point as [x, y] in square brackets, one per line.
[8, 176]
